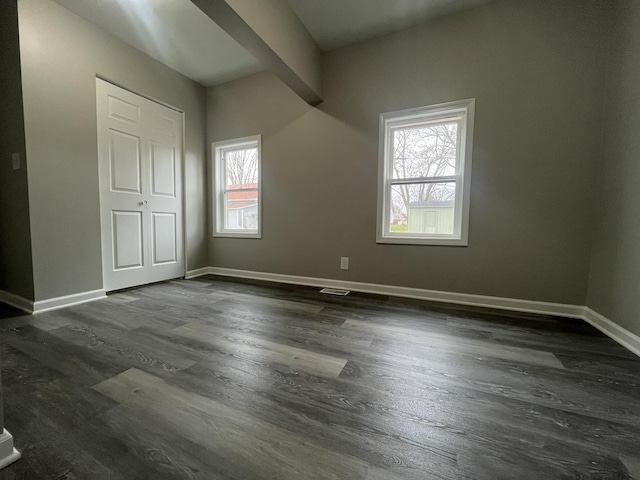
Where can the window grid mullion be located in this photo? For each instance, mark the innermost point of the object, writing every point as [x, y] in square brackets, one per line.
[226, 190]
[419, 180]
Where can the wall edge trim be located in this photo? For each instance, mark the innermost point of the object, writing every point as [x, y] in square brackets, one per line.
[502, 303]
[16, 301]
[617, 333]
[55, 303]
[624, 337]
[8, 453]
[198, 272]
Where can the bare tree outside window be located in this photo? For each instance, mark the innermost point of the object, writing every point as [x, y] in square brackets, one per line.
[420, 152]
[241, 166]
[241, 169]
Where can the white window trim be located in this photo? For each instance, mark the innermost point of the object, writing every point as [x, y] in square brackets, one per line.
[218, 187]
[460, 237]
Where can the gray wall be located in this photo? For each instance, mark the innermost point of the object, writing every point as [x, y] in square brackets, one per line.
[614, 283]
[535, 69]
[16, 272]
[61, 55]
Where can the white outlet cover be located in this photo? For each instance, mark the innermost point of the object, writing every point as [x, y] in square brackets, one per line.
[15, 161]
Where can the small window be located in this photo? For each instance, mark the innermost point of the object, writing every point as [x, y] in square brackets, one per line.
[237, 188]
[424, 174]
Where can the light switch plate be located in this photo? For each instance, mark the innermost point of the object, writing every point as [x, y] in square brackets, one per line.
[15, 161]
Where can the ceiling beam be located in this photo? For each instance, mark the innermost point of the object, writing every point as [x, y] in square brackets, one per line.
[271, 31]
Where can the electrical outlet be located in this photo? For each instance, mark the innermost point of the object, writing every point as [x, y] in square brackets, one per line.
[15, 161]
[344, 263]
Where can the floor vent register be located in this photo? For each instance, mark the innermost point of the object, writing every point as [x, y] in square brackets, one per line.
[335, 291]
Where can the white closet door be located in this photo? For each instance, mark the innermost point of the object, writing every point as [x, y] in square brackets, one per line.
[140, 161]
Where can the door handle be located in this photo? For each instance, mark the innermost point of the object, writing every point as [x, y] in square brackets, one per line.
[144, 202]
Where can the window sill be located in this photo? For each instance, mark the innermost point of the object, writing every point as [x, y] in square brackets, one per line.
[445, 242]
[237, 235]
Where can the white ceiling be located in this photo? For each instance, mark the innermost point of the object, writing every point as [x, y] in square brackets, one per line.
[337, 23]
[178, 34]
[174, 32]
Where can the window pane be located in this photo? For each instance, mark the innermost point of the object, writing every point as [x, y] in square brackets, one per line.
[241, 168]
[236, 179]
[425, 151]
[241, 210]
[423, 208]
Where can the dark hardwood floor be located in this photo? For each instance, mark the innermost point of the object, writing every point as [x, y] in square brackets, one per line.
[214, 378]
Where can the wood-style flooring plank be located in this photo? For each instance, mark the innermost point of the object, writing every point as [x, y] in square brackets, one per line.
[67, 359]
[132, 346]
[307, 404]
[632, 464]
[298, 358]
[256, 446]
[243, 298]
[228, 378]
[307, 332]
[55, 417]
[458, 345]
[159, 449]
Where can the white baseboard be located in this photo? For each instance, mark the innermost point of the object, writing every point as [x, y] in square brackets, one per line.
[197, 272]
[624, 337]
[49, 304]
[621, 335]
[16, 301]
[8, 453]
[502, 303]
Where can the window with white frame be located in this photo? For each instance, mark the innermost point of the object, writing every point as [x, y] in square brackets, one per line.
[237, 187]
[424, 174]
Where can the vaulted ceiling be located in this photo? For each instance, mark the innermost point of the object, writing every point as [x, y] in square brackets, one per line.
[180, 35]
